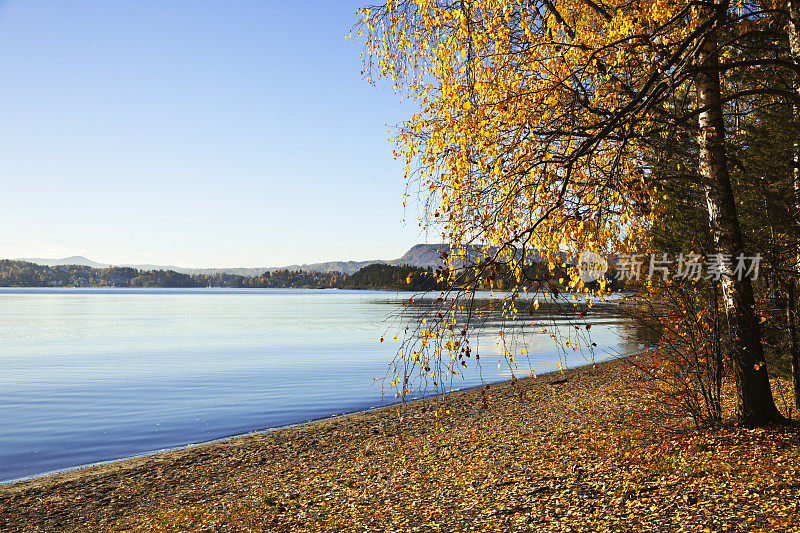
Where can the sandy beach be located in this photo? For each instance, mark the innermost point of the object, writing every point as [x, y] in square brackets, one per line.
[564, 452]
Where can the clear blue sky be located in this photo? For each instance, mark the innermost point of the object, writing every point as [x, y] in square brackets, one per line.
[195, 133]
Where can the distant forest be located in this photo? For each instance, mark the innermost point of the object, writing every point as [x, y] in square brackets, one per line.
[376, 276]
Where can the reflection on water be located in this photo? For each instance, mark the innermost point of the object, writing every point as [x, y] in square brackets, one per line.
[530, 335]
[98, 374]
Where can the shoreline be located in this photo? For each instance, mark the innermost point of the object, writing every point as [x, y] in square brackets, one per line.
[99, 466]
[99, 496]
[572, 452]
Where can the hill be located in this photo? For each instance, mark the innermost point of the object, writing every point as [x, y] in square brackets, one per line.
[420, 255]
[72, 260]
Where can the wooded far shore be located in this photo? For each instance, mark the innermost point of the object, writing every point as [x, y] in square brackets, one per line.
[376, 276]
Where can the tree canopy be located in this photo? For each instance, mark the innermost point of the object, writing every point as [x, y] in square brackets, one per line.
[545, 128]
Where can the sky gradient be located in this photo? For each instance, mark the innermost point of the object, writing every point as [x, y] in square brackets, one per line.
[195, 133]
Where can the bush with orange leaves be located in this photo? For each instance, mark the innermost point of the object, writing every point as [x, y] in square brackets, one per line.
[682, 376]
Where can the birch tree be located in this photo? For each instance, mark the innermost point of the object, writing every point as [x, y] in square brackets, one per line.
[534, 120]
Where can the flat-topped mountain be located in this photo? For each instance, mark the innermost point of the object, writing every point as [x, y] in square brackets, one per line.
[423, 255]
[419, 255]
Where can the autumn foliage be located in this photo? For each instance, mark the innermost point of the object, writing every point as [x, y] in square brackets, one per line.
[542, 129]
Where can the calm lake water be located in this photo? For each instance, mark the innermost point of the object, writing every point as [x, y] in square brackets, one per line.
[90, 375]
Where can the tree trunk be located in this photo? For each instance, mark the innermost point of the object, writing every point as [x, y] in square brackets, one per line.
[755, 405]
[793, 7]
[791, 321]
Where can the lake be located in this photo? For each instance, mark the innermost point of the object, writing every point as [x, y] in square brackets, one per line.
[90, 375]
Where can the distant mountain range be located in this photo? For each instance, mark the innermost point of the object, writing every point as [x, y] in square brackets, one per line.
[420, 255]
